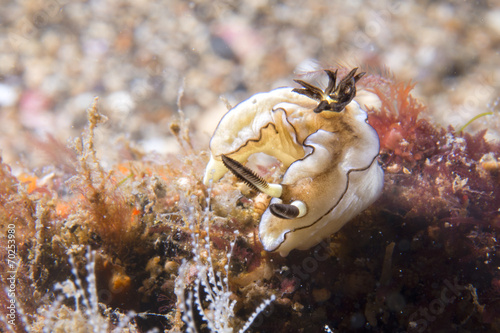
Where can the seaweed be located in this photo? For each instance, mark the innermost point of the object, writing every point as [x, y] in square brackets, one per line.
[424, 257]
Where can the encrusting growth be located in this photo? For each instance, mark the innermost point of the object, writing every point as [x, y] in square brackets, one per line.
[146, 236]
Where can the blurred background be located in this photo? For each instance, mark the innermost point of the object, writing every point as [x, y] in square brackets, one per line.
[137, 56]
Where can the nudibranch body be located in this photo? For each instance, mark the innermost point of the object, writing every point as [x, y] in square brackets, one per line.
[325, 145]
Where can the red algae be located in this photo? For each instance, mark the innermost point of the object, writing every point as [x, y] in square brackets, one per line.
[424, 257]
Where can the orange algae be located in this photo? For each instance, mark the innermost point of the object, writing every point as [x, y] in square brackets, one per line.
[439, 207]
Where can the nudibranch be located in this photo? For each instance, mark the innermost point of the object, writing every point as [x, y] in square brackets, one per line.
[324, 143]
